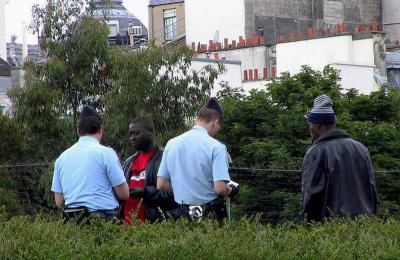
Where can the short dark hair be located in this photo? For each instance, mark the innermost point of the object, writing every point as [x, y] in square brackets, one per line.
[329, 126]
[145, 122]
[208, 114]
[89, 125]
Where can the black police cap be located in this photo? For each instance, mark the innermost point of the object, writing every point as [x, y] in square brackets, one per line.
[88, 111]
[213, 104]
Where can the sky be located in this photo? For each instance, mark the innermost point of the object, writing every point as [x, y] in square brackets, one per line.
[18, 12]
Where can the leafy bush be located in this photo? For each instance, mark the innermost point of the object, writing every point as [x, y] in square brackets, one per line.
[45, 188]
[246, 239]
[8, 198]
[267, 129]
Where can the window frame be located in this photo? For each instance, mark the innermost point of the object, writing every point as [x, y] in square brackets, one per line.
[170, 24]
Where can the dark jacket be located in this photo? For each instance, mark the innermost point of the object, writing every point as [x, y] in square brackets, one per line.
[337, 178]
[158, 204]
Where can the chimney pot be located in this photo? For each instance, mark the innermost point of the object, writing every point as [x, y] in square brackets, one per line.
[310, 33]
[226, 43]
[233, 44]
[291, 36]
[300, 35]
[265, 73]
[256, 74]
[273, 72]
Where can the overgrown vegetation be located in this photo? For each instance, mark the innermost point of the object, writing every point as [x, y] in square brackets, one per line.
[267, 129]
[246, 239]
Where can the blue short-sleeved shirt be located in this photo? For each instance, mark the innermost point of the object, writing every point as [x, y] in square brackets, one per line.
[86, 173]
[192, 162]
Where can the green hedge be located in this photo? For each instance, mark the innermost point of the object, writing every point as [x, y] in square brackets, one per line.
[22, 237]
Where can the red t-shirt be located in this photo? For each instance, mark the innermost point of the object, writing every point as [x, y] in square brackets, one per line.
[135, 206]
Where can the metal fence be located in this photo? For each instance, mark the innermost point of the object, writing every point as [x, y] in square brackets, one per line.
[272, 193]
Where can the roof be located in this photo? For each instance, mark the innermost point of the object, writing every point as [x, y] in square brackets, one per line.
[5, 68]
[117, 11]
[164, 2]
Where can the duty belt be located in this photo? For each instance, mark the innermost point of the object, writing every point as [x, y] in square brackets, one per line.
[81, 215]
[215, 209]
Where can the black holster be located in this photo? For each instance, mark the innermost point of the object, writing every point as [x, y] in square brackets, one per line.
[78, 215]
[216, 209]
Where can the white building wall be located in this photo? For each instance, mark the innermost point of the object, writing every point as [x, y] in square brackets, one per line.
[208, 16]
[3, 46]
[255, 84]
[354, 59]
[5, 104]
[232, 74]
[251, 57]
[5, 84]
[363, 52]
[316, 53]
[357, 77]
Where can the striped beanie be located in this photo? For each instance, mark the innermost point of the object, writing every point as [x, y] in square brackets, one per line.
[322, 112]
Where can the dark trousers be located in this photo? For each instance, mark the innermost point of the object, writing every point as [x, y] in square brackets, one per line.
[81, 215]
[215, 209]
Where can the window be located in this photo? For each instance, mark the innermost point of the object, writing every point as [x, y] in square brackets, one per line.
[113, 30]
[113, 27]
[170, 26]
[135, 30]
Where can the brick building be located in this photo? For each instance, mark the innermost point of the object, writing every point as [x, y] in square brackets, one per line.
[273, 18]
[280, 17]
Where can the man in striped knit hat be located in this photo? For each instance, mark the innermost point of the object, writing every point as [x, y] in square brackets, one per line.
[337, 173]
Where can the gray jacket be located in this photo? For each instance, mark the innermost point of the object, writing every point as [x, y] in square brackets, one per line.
[337, 178]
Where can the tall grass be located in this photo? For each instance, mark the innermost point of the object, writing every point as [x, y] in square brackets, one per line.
[24, 237]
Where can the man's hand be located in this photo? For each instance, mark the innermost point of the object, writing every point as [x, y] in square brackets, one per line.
[136, 192]
[235, 188]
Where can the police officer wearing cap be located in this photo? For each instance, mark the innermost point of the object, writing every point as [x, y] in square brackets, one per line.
[88, 179]
[195, 167]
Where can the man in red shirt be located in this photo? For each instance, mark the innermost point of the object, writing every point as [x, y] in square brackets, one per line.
[145, 203]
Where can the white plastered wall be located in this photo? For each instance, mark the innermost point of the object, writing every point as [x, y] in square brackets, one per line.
[3, 46]
[354, 59]
[232, 74]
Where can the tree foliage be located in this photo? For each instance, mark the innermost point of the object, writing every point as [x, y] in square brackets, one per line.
[267, 129]
[159, 83]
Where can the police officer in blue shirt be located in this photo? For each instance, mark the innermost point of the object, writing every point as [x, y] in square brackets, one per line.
[195, 166]
[88, 179]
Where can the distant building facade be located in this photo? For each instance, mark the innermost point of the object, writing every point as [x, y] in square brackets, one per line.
[125, 28]
[270, 37]
[8, 78]
[391, 19]
[166, 21]
[273, 18]
[14, 52]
